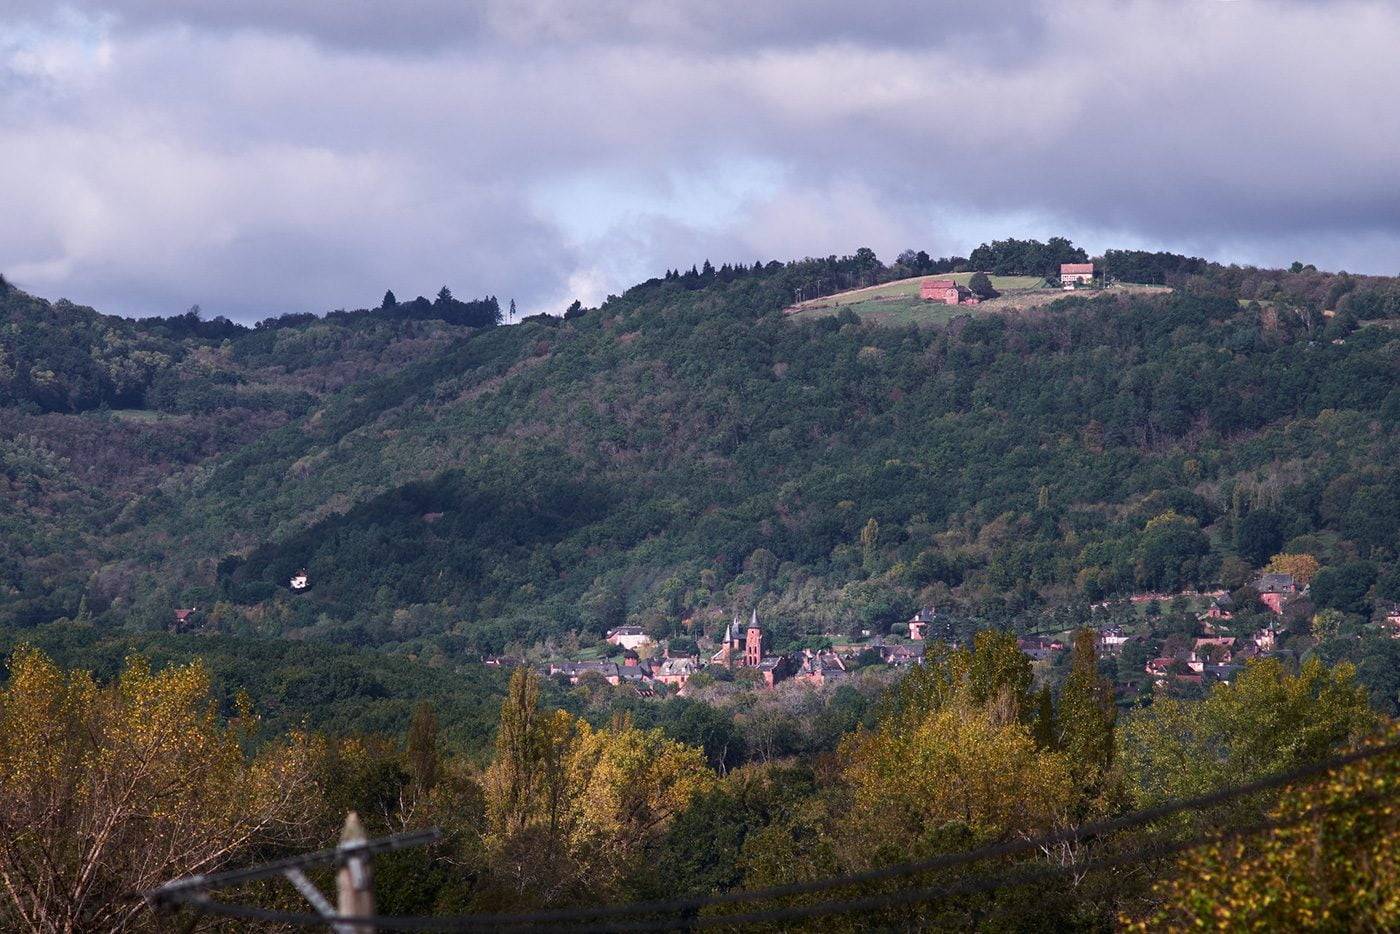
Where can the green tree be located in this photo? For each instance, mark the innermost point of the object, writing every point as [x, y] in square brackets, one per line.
[1267, 721]
[1168, 552]
[424, 756]
[981, 285]
[1087, 714]
[1345, 587]
[1260, 534]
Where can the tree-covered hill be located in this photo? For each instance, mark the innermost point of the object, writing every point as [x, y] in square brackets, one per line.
[686, 448]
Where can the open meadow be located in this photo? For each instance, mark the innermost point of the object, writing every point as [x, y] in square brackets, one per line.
[898, 302]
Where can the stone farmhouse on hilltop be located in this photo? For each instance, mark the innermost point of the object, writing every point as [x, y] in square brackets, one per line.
[946, 291]
[1073, 275]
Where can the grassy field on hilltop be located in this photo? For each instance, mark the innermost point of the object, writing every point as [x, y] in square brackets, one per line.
[898, 302]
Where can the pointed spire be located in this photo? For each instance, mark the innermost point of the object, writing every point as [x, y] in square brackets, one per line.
[753, 620]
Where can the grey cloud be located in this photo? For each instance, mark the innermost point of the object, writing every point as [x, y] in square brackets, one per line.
[718, 24]
[260, 159]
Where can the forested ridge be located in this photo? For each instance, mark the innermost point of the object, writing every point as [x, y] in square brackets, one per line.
[685, 448]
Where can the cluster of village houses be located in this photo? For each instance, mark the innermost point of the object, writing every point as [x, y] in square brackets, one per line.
[741, 646]
[1210, 656]
[645, 664]
[1213, 656]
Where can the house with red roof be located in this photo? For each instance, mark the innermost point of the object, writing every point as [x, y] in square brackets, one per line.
[946, 291]
[1073, 275]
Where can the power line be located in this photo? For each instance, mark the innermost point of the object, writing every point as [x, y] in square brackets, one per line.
[1017, 876]
[190, 891]
[176, 889]
[948, 860]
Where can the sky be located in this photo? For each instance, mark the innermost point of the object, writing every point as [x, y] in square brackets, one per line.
[258, 157]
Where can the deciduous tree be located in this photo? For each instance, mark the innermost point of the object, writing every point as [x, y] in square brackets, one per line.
[106, 791]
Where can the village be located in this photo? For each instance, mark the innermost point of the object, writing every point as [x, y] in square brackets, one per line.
[1151, 642]
[742, 649]
[1143, 639]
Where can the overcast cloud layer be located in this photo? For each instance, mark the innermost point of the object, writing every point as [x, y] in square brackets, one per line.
[262, 157]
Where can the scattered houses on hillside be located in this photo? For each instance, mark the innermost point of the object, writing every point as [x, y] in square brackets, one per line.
[927, 625]
[1111, 640]
[740, 647]
[1392, 620]
[820, 667]
[1039, 649]
[184, 619]
[629, 637]
[1275, 590]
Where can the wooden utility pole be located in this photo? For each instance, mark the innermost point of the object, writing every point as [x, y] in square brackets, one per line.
[354, 882]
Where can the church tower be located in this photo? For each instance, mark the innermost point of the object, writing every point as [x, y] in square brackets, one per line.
[753, 643]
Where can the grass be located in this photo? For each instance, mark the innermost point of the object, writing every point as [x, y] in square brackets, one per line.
[137, 415]
[898, 302]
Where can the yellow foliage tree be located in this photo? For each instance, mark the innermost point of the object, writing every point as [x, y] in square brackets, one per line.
[569, 808]
[1332, 863]
[1302, 567]
[108, 791]
[959, 764]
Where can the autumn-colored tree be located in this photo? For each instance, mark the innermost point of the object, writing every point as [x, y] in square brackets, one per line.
[1303, 567]
[1332, 863]
[959, 766]
[108, 791]
[569, 808]
[994, 670]
[935, 778]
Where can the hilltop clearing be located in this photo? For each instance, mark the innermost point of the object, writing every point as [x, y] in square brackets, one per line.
[898, 302]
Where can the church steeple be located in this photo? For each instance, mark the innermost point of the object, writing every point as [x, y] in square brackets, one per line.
[753, 642]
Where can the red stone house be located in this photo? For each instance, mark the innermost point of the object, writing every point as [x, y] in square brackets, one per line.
[918, 625]
[820, 667]
[946, 291]
[675, 671]
[184, 620]
[1074, 274]
[1275, 590]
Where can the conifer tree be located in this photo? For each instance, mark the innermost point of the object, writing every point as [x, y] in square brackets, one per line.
[1043, 728]
[1087, 714]
[422, 747]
